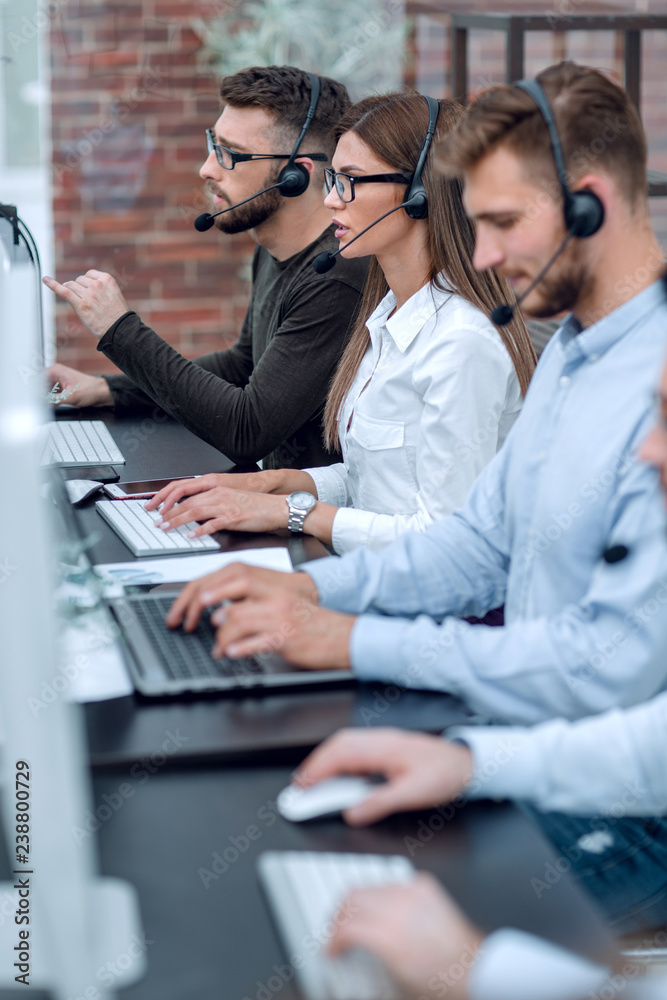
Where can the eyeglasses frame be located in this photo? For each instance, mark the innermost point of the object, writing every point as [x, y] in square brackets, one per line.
[213, 146]
[330, 176]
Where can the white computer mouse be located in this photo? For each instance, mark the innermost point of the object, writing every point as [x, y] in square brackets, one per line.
[332, 795]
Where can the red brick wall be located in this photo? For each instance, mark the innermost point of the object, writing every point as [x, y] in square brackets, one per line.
[486, 60]
[129, 109]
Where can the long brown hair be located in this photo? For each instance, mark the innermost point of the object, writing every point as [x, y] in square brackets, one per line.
[393, 126]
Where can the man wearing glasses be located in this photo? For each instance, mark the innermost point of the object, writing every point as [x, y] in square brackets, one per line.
[263, 398]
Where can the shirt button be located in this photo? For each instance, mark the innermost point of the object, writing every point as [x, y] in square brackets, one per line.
[593, 357]
[565, 380]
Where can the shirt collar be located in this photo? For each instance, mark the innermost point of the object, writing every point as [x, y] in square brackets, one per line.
[598, 338]
[405, 324]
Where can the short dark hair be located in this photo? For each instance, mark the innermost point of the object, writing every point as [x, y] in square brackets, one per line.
[597, 124]
[284, 92]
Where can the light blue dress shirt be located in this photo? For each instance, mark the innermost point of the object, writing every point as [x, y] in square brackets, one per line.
[581, 635]
[614, 764]
[513, 965]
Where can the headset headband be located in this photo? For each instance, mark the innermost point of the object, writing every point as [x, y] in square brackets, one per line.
[534, 89]
[417, 192]
[294, 178]
[583, 210]
[314, 98]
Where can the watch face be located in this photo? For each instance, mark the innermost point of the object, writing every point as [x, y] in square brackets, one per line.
[303, 500]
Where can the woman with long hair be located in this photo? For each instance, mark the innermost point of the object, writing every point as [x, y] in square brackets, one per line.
[427, 388]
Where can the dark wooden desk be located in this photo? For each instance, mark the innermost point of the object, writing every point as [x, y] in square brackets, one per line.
[201, 771]
[157, 447]
[216, 939]
[228, 727]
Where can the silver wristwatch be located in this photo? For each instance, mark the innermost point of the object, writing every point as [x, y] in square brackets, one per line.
[299, 505]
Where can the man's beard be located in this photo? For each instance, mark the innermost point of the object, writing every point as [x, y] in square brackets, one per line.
[561, 288]
[249, 216]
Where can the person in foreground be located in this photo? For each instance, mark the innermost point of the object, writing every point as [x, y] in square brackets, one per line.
[567, 487]
[427, 389]
[262, 398]
[613, 763]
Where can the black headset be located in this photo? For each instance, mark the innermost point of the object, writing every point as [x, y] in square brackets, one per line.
[294, 178]
[417, 207]
[583, 211]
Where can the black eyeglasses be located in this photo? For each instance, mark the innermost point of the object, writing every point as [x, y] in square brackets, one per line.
[228, 159]
[345, 183]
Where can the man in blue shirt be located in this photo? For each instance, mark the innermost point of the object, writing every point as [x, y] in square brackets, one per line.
[612, 764]
[583, 633]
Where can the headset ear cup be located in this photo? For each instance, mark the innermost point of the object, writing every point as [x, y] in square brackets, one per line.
[419, 207]
[293, 180]
[584, 214]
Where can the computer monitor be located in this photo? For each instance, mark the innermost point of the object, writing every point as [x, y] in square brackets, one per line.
[76, 921]
[19, 247]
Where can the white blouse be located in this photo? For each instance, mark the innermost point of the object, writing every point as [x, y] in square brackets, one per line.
[432, 402]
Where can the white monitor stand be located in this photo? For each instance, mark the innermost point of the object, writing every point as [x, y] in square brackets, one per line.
[79, 921]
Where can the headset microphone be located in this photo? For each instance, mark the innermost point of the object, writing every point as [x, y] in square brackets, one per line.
[325, 261]
[293, 179]
[502, 314]
[583, 211]
[616, 553]
[204, 222]
[415, 202]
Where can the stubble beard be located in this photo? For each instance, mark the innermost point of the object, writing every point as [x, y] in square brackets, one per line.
[567, 284]
[254, 214]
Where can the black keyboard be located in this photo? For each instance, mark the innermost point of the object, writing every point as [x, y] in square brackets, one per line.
[187, 654]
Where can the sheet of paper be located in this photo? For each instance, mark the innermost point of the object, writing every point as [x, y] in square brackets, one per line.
[182, 569]
[93, 668]
[92, 665]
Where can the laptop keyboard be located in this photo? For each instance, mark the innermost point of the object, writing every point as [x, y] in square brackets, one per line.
[138, 529]
[305, 890]
[80, 443]
[186, 654]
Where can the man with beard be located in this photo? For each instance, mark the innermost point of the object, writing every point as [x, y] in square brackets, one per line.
[549, 522]
[262, 398]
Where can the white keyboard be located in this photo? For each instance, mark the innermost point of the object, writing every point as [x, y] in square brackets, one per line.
[80, 443]
[305, 890]
[138, 529]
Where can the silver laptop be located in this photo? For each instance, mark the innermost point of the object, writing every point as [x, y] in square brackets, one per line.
[164, 661]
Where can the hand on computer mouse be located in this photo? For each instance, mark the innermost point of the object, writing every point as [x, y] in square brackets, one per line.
[422, 771]
[326, 798]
